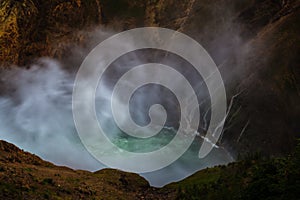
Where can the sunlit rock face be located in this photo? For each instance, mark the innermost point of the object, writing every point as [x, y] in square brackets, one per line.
[31, 28]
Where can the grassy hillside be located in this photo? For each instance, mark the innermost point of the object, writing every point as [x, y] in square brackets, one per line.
[255, 177]
[25, 176]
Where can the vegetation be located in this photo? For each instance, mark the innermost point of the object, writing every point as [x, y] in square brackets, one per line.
[252, 178]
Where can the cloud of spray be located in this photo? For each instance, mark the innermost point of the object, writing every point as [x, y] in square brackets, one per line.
[36, 113]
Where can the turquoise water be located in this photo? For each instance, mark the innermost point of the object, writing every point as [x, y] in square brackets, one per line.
[186, 165]
[138, 145]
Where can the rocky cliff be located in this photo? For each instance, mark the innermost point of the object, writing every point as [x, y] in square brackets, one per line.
[33, 28]
[256, 45]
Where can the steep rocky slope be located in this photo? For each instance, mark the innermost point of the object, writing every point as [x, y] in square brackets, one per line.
[25, 176]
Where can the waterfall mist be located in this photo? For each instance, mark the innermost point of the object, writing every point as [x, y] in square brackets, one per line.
[36, 115]
[36, 112]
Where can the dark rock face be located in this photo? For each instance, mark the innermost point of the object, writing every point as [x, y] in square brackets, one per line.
[272, 85]
[255, 43]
